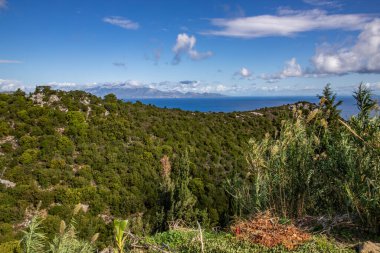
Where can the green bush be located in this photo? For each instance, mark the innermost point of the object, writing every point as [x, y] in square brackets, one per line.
[187, 241]
[10, 247]
[318, 164]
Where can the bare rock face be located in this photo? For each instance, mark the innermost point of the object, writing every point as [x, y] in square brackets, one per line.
[7, 183]
[54, 98]
[11, 139]
[369, 247]
[38, 99]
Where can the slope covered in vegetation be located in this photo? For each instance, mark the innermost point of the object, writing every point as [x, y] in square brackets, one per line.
[63, 148]
[303, 164]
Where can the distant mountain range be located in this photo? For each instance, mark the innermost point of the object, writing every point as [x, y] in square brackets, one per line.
[127, 91]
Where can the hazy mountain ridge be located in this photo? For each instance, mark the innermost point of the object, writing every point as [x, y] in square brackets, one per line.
[125, 91]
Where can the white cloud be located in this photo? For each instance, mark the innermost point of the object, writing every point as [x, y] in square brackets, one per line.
[2, 61]
[323, 3]
[291, 69]
[362, 57]
[194, 86]
[287, 23]
[185, 45]
[3, 4]
[374, 86]
[107, 85]
[268, 88]
[244, 72]
[122, 22]
[57, 85]
[10, 85]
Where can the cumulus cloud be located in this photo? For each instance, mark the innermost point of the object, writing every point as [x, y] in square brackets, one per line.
[185, 45]
[122, 22]
[10, 85]
[291, 69]
[362, 57]
[287, 23]
[244, 73]
[3, 4]
[2, 61]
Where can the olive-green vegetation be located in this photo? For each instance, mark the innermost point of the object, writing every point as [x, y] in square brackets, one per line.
[65, 241]
[122, 161]
[318, 164]
[175, 240]
[64, 148]
[188, 242]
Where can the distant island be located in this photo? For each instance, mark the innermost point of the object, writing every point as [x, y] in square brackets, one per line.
[127, 91]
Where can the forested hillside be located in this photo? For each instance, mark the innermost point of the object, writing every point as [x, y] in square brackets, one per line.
[63, 148]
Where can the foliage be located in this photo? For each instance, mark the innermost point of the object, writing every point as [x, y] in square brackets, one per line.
[183, 201]
[329, 106]
[188, 241]
[152, 166]
[120, 227]
[66, 241]
[10, 247]
[33, 240]
[75, 147]
[364, 101]
[316, 167]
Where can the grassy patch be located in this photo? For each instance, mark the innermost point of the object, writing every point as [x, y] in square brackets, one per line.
[188, 241]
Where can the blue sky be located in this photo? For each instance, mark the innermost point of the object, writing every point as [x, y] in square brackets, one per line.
[231, 47]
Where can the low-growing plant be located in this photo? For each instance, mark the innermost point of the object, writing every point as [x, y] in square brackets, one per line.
[10, 247]
[66, 241]
[121, 237]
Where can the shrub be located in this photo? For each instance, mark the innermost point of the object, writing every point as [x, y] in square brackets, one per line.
[319, 164]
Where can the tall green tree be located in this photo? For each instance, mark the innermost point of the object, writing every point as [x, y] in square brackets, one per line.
[183, 206]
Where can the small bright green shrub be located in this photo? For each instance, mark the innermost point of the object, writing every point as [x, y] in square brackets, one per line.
[10, 247]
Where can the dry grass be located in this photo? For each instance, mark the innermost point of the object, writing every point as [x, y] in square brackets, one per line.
[266, 230]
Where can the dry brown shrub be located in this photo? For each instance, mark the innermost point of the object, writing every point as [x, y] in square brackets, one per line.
[266, 230]
[166, 167]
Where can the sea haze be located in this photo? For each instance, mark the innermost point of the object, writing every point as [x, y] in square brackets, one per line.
[231, 104]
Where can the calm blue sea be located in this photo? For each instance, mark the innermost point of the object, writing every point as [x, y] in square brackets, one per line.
[231, 104]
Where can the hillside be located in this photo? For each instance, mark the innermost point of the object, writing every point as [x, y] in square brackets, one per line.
[63, 148]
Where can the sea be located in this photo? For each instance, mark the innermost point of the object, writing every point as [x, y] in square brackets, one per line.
[235, 104]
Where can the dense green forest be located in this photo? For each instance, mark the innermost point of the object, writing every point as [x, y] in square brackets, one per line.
[64, 148]
[81, 173]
